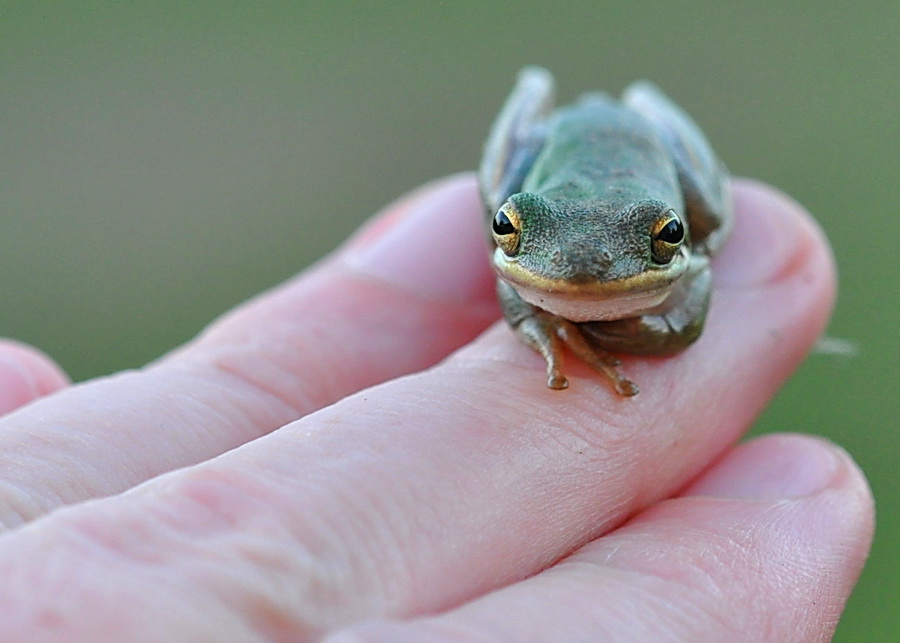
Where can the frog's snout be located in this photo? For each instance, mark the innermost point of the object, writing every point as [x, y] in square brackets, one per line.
[582, 261]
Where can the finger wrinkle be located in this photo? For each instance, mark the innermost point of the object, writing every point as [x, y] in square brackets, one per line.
[259, 375]
[315, 563]
[71, 581]
[214, 538]
[17, 506]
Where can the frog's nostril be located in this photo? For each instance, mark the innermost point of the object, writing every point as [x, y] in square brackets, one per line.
[583, 261]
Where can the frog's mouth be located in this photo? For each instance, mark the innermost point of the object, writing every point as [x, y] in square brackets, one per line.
[595, 300]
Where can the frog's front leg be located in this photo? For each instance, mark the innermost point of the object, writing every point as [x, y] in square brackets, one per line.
[548, 333]
[664, 331]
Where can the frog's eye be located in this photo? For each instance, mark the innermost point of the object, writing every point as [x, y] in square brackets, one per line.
[666, 237]
[506, 229]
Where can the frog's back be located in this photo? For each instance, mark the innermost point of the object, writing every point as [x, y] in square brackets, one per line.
[599, 149]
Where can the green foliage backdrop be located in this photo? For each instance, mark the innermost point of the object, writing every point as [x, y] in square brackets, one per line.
[162, 161]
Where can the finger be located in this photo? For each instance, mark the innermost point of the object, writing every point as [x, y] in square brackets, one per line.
[409, 289]
[765, 547]
[25, 375]
[427, 491]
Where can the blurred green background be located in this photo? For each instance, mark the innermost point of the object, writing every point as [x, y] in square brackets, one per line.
[163, 161]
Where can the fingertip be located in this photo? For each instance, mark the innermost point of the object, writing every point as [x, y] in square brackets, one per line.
[774, 240]
[385, 218]
[787, 465]
[774, 286]
[26, 374]
[836, 501]
[431, 244]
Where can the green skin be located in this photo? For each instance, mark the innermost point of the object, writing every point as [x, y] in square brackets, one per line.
[581, 194]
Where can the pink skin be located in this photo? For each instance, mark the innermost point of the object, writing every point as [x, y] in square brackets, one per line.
[463, 502]
[25, 375]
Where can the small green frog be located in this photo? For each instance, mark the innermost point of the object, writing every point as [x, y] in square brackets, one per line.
[603, 215]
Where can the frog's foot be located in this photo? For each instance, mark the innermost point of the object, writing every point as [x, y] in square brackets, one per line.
[547, 333]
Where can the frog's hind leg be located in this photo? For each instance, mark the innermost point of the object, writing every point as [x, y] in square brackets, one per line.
[516, 137]
[703, 177]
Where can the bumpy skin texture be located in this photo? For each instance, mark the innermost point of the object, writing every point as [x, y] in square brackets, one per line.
[576, 198]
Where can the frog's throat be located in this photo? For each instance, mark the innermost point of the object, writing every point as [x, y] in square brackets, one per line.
[579, 309]
[596, 300]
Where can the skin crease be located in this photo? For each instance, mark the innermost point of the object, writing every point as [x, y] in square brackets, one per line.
[463, 502]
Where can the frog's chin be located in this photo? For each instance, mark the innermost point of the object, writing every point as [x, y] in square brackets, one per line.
[583, 309]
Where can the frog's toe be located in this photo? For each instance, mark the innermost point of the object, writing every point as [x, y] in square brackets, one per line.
[627, 388]
[557, 381]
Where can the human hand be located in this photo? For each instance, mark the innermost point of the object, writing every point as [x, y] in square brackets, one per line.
[463, 502]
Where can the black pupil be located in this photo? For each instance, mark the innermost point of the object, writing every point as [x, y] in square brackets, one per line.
[672, 232]
[502, 224]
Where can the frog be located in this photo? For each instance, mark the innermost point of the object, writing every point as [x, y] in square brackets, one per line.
[603, 216]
